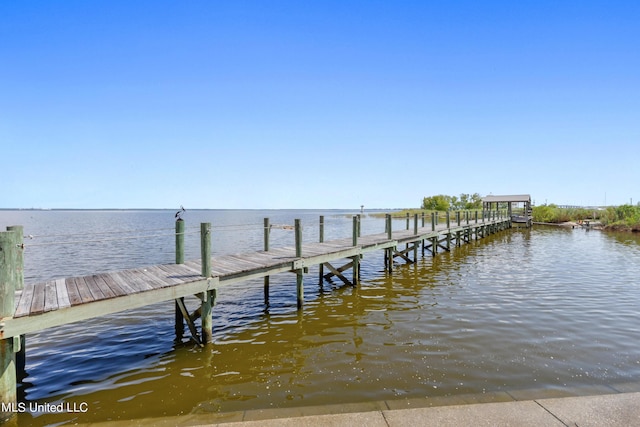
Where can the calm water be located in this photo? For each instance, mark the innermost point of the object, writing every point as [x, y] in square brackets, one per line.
[545, 308]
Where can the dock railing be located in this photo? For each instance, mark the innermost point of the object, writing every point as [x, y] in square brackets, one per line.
[166, 283]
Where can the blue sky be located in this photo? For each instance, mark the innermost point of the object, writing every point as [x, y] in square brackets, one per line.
[328, 104]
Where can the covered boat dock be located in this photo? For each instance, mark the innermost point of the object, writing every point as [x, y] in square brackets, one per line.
[518, 206]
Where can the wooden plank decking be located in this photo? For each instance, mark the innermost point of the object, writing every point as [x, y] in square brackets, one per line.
[62, 301]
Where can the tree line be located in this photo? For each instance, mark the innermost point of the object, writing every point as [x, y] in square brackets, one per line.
[443, 202]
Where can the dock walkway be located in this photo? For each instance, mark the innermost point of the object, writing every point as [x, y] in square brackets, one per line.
[61, 301]
[58, 302]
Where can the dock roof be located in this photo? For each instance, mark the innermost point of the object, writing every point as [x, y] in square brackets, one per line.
[523, 198]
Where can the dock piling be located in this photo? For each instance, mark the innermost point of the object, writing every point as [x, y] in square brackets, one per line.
[321, 240]
[19, 280]
[179, 318]
[299, 272]
[267, 233]
[388, 253]
[180, 241]
[415, 233]
[209, 295]
[356, 259]
[208, 301]
[8, 279]
[205, 248]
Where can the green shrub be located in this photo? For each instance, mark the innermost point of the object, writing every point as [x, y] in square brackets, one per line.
[624, 217]
[554, 214]
[545, 213]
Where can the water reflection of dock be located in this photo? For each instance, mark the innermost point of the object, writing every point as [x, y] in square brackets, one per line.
[35, 307]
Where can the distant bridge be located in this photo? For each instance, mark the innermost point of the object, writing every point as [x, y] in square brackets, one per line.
[580, 207]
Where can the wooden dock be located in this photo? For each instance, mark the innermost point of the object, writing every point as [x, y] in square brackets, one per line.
[31, 308]
[519, 207]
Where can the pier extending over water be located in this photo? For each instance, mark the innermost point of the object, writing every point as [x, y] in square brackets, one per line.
[58, 302]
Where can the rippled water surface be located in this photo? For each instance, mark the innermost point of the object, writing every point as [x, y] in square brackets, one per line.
[545, 308]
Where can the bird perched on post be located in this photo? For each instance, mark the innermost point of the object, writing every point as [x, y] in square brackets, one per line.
[179, 213]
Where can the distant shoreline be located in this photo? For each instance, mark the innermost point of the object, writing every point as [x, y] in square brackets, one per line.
[198, 209]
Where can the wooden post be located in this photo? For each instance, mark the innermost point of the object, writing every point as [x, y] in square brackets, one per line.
[458, 218]
[180, 241]
[354, 239]
[179, 317]
[321, 266]
[207, 315]
[356, 259]
[208, 296]
[267, 232]
[448, 230]
[19, 280]
[433, 221]
[299, 272]
[415, 233]
[476, 217]
[205, 248]
[386, 251]
[298, 237]
[389, 251]
[407, 245]
[8, 275]
[19, 233]
[422, 219]
[359, 256]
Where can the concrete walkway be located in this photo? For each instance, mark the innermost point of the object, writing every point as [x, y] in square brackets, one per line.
[597, 405]
[622, 409]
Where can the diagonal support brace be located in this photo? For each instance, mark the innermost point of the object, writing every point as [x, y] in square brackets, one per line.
[188, 318]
